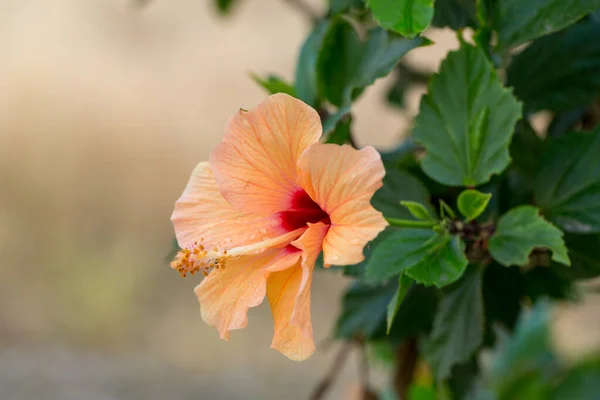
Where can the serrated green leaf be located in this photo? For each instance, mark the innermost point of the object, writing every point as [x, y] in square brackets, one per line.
[399, 186]
[427, 257]
[471, 203]
[567, 188]
[274, 84]
[518, 21]
[339, 6]
[458, 326]
[306, 85]
[404, 283]
[364, 310]
[455, 14]
[520, 231]
[573, 80]
[466, 121]
[407, 17]
[419, 211]
[346, 65]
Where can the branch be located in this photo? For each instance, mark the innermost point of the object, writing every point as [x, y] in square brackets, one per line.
[406, 363]
[304, 8]
[339, 361]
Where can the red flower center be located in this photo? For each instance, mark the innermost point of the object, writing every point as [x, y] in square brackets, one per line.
[302, 211]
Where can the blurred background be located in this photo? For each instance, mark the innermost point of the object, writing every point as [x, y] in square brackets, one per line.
[105, 108]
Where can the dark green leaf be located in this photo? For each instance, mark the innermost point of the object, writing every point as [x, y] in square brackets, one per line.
[417, 210]
[332, 121]
[573, 79]
[584, 253]
[458, 326]
[466, 120]
[568, 185]
[427, 257]
[274, 84]
[583, 382]
[399, 185]
[224, 6]
[521, 362]
[518, 21]
[472, 203]
[306, 69]
[404, 283]
[520, 231]
[407, 17]
[455, 14]
[339, 6]
[415, 315]
[346, 65]
[341, 134]
[364, 310]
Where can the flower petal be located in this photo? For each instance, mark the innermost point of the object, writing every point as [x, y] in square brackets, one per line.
[255, 165]
[225, 295]
[203, 215]
[342, 180]
[289, 294]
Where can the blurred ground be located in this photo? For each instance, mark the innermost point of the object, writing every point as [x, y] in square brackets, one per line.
[104, 111]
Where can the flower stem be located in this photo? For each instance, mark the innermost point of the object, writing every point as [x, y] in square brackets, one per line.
[405, 223]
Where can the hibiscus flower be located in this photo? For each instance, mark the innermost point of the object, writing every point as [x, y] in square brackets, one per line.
[256, 216]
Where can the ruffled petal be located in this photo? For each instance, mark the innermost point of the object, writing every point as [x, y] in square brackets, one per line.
[342, 180]
[255, 164]
[203, 215]
[289, 295]
[226, 294]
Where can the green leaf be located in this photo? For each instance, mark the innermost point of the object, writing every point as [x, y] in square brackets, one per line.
[455, 14]
[427, 257]
[573, 80]
[399, 186]
[518, 21]
[458, 326]
[583, 251]
[274, 84]
[519, 232]
[404, 283]
[472, 203]
[341, 133]
[420, 392]
[224, 6]
[364, 310]
[407, 17]
[346, 65]
[340, 6]
[417, 210]
[522, 363]
[334, 120]
[466, 120]
[568, 185]
[306, 86]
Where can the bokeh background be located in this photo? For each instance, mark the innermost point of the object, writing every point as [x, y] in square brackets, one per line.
[105, 108]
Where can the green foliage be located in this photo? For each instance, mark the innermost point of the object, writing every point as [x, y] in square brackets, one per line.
[567, 188]
[573, 79]
[346, 64]
[458, 325]
[407, 17]
[466, 120]
[274, 84]
[525, 194]
[428, 257]
[364, 310]
[224, 6]
[404, 283]
[517, 21]
[520, 231]
[472, 203]
[306, 69]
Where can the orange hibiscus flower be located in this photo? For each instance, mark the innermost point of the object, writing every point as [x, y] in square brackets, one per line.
[256, 216]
